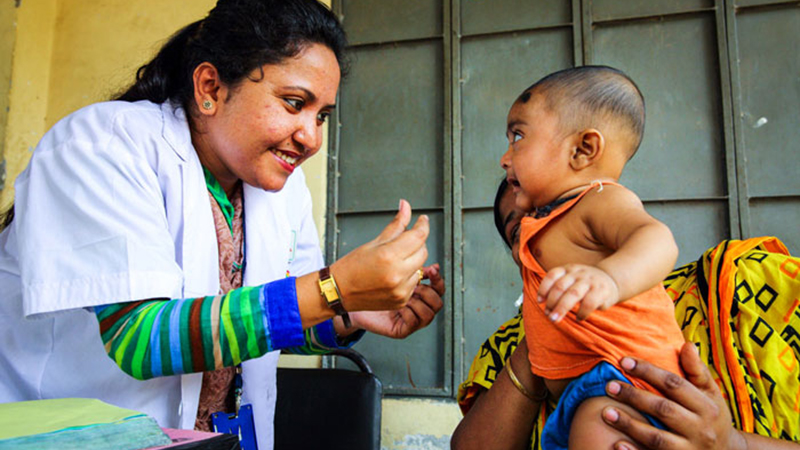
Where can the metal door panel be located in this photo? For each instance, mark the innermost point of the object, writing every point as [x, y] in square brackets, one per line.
[675, 65]
[492, 16]
[371, 21]
[424, 351]
[743, 3]
[769, 69]
[615, 9]
[391, 142]
[495, 71]
[777, 217]
[491, 282]
[696, 226]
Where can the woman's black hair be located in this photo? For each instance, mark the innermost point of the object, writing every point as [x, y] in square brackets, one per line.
[6, 217]
[498, 217]
[237, 37]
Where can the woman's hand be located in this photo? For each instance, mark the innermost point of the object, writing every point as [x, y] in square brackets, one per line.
[382, 274]
[418, 313]
[693, 408]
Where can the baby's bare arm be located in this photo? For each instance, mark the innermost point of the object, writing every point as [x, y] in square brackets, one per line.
[644, 249]
[642, 252]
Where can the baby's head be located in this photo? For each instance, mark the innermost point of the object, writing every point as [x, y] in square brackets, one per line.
[570, 128]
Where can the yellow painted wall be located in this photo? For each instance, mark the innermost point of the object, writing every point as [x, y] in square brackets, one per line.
[30, 77]
[70, 53]
[8, 35]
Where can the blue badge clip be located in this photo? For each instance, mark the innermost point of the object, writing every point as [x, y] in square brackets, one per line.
[241, 424]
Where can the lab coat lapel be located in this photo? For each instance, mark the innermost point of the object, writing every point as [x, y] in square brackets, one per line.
[267, 244]
[197, 250]
[267, 236]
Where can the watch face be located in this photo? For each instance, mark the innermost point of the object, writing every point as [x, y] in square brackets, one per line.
[329, 290]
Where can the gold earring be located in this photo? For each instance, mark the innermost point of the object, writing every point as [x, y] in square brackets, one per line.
[207, 104]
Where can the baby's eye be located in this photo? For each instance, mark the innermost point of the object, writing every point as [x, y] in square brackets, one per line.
[515, 233]
[296, 104]
[515, 137]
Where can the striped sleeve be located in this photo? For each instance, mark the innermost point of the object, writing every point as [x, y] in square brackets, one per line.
[153, 338]
[322, 338]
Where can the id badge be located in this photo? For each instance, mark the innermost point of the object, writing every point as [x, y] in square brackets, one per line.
[240, 424]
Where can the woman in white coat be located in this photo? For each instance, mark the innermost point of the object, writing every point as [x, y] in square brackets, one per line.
[177, 218]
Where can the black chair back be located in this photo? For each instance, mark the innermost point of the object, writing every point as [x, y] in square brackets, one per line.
[329, 408]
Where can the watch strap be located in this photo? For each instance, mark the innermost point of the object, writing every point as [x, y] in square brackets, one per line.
[330, 292]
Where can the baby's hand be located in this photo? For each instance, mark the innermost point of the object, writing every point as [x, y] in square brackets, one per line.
[565, 286]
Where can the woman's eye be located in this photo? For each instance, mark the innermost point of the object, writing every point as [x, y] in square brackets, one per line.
[323, 117]
[296, 104]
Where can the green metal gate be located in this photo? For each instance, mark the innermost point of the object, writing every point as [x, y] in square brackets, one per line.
[422, 117]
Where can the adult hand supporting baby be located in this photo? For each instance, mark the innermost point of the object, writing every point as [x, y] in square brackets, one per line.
[693, 410]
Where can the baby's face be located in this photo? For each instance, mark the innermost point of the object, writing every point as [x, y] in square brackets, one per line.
[537, 159]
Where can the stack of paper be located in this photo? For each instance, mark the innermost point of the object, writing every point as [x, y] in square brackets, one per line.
[76, 423]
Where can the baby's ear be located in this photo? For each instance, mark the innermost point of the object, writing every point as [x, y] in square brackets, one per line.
[589, 147]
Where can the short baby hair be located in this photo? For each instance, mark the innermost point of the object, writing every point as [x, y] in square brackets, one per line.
[588, 96]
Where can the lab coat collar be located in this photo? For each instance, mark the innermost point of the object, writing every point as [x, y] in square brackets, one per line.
[176, 129]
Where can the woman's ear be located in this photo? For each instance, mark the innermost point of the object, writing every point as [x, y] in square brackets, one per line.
[589, 148]
[207, 88]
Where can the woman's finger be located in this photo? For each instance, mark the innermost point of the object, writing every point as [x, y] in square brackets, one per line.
[663, 409]
[645, 435]
[671, 385]
[421, 307]
[429, 297]
[410, 241]
[696, 372]
[397, 225]
[435, 278]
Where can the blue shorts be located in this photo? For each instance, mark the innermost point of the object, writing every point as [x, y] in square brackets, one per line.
[555, 435]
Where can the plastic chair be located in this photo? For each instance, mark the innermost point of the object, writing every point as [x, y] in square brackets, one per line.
[329, 408]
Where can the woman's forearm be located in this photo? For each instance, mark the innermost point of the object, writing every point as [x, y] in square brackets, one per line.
[502, 417]
[754, 441]
[160, 337]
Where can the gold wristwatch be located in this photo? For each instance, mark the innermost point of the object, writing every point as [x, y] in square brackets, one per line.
[330, 292]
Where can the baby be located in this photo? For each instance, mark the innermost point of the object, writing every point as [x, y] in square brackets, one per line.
[593, 259]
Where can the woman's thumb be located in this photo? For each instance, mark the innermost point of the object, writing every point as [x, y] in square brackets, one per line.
[397, 225]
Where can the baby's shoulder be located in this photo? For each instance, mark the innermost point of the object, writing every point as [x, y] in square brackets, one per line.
[609, 196]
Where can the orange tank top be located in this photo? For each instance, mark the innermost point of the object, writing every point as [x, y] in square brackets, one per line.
[643, 326]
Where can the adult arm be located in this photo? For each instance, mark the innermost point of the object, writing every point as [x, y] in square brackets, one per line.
[693, 410]
[379, 275]
[502, 417]
[418, 313]
[165, 337]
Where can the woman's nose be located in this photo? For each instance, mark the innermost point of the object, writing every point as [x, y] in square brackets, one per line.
[309, 135]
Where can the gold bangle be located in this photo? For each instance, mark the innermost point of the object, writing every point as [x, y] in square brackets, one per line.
[521, 388]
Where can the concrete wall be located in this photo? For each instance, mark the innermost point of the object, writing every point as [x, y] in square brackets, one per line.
[57, 56]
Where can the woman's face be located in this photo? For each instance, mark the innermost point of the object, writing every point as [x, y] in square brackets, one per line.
[512, 216]
[261, 130]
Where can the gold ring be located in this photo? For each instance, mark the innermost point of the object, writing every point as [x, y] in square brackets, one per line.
[421, 275]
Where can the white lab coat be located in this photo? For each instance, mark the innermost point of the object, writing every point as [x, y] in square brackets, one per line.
[113, 207]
